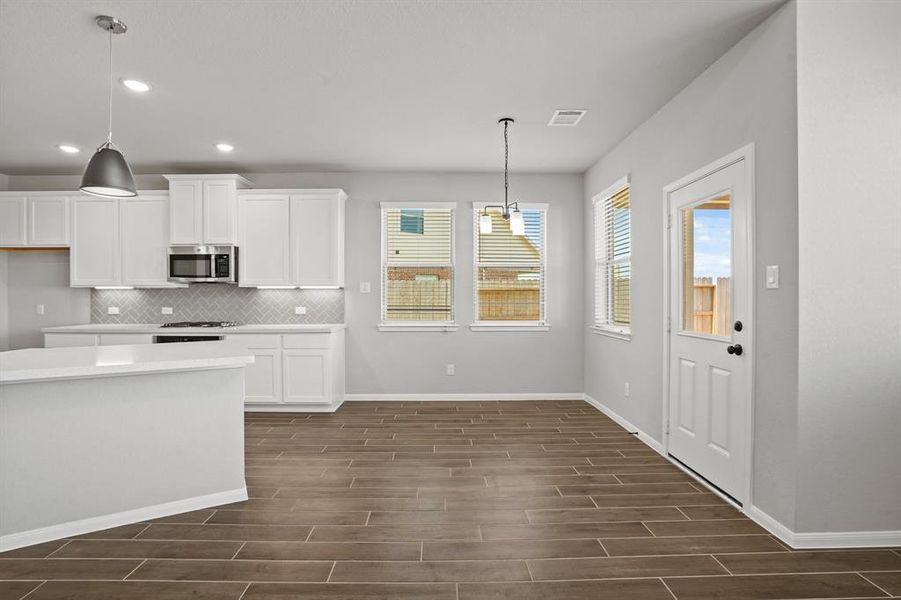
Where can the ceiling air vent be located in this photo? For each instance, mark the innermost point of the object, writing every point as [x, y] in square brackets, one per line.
[566, 117]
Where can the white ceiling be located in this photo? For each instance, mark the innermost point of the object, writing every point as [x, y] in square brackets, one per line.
[349, 85]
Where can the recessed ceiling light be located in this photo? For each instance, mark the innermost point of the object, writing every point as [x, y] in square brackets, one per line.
[136, 86]
[69, 149]
[223, 147]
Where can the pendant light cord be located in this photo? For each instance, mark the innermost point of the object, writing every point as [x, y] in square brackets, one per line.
[109, 136]
[506, 162]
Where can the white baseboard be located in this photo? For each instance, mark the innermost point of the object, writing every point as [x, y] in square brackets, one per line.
[462, 397]
[828, 539]
[292, 408]
[62, 530]
[644, 437]
[838, 539]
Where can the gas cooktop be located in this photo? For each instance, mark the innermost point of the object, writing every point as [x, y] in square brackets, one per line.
[201, 324]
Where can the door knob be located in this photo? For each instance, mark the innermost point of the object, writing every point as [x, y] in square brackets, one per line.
[738, 326]
[736, 350]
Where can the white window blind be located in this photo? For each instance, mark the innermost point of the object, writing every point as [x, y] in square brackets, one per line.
[417, 264]
[509, 269]
[613, 260]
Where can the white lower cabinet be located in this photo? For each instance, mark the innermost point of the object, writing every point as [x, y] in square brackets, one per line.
[118, 339]
[306, 376]
[263, 378]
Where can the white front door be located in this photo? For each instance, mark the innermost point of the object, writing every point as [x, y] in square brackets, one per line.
[710, 320]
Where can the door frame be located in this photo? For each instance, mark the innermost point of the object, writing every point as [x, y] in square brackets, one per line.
[745, 153]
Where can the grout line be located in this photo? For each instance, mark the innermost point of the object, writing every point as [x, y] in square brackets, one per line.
[603, 547]
[130, 573]
[667, 588]
[245, 591]
[721, 564]
[332, 570]
[58, 549]
[874, 584]
[238, 551]
[686, 516]
[30, 592]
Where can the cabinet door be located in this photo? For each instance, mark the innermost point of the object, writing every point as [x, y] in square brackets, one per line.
[306, 376]
[60, 340]
[145, 238]
[219, 212]
[12, 221]
[95, 255]
[185, 212]
[317, 236]
[48, 221]
[264, 248]
[263, 378]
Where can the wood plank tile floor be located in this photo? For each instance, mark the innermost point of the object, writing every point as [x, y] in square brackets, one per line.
[461, 501]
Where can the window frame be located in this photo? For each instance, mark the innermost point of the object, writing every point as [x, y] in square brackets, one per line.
[603, 326]
[386, 325]
[542, 324]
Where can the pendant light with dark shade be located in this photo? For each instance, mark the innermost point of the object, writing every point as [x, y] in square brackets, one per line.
[509, 210]
[107, 174]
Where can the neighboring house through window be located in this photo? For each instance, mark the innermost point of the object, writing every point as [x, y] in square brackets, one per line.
[509, 271]
[417, 265]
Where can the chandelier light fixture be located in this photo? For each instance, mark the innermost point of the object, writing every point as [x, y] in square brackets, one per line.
[509, 210]
[107, 173]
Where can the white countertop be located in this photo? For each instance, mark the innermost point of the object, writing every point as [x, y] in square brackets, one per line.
[43, 364]
[156, 329]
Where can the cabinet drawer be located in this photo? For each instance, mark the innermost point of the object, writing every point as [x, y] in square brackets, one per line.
[257, 340]
[59, 340]
[307, 340]
[113, 339]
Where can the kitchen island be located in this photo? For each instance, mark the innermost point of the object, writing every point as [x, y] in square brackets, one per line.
[100, 436]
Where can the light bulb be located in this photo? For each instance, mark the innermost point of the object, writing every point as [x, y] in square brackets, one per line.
[517, 223]
[485, 223]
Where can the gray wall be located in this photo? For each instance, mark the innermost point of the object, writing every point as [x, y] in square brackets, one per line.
[849, 100]
[410, 363]
[748, 95]
[4, 301]
[40, 277]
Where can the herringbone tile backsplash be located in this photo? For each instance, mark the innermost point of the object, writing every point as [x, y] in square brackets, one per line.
[218, 302]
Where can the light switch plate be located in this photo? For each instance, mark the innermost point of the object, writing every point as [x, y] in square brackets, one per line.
[300, 310]
[38, 309]
[112, 310]
[772, 277]
[365, 288]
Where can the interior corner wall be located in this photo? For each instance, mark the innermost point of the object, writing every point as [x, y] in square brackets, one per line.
[849, 105]
[748, 95]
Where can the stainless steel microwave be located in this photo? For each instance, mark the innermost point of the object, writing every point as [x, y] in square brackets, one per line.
[205, 264]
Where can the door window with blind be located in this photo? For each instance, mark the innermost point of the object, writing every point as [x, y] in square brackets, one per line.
[613, 259]
[510, 270]
[417, 264]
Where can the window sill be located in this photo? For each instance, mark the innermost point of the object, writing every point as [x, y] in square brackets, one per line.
[509, 327]
[417, 326]
[613, 332]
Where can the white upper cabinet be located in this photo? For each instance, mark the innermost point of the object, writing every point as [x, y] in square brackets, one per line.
[48, 220]
[185, 212]
[34, 219]
[144, 227]
[204, 208]
[12, 220]
[317, 238]
[263, 247]
[120, 241]
[94, 258]
[291, 238]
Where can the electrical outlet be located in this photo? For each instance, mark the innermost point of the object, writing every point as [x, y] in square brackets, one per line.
[300, 310]
[626, 390]
[38, 309]
[112, 310]
[166, 310]
[451, 369]
[365, 288]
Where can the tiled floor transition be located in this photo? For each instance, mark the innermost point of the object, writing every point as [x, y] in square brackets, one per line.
[446, 501]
